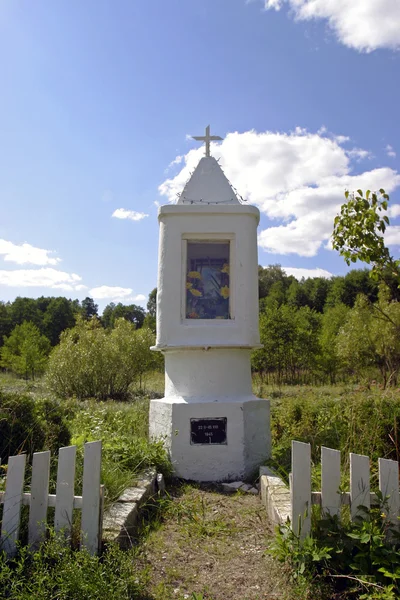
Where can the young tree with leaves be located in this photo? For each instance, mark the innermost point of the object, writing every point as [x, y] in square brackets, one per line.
[25, 351]
[358, 233]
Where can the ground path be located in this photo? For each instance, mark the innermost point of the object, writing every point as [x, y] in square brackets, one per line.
[211, 546]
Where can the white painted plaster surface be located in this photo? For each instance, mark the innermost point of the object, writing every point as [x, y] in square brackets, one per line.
[237, 223]
[245, 448]
[275, 496]
[208, 375]
[208, 183]
[207, 362]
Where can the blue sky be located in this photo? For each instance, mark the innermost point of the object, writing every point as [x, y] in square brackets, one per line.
[98, 98]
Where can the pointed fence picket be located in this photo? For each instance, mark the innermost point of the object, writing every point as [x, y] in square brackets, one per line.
[12, 503]
[39, 498]
[331, 498]
[330, 480]
[65, 489]
[64, 500]
[91, 497]
[301, 489]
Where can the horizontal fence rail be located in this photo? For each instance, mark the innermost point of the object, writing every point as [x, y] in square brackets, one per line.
[64, 500]
[331, 498]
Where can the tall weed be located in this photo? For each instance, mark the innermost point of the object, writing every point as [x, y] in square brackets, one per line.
[360, 421]
[57, 572]
[123, 429]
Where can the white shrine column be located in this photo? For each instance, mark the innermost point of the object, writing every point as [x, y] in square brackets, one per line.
[207, 325]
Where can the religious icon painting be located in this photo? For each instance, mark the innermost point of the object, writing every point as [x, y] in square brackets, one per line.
[207, 280]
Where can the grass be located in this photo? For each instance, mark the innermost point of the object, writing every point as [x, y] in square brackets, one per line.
[122, 427]
[127, 451]
[56, 572]
[363, 420]
[199, 544]
[207, 545]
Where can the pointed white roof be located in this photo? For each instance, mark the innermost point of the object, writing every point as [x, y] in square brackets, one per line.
[208, 185]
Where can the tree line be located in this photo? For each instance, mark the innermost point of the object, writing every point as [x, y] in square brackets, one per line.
[315, 330]
[327, 330]
[52, 315]
[32, 329]
[319, 330]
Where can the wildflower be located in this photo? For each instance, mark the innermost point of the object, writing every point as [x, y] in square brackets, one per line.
[195, 292]
[225, 268]
[225, 292]
[194, 275]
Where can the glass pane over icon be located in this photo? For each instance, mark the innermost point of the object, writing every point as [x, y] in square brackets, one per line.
[207, 280]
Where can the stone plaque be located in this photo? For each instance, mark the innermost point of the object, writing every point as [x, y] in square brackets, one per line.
[208, 431]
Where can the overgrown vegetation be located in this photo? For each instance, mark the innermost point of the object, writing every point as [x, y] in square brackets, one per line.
[56, 571]
[28, 425]
[359, 559]
[343, 330]
[127, 450]
[347, 560]
[364, 421]
[91, 362]
[25, 351]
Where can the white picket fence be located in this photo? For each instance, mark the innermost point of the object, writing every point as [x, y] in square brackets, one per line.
[330, 498]
[64, 500]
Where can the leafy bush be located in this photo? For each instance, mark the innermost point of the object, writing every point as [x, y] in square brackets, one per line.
[25, 351]
[57, 572]
[123, 429]
[360, 559]
[364, 422]
[91, 362]
[28, 425]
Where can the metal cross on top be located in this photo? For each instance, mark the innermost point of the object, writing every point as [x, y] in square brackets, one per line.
[207, 139]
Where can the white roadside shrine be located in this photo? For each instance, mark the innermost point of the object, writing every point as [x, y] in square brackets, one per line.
[215, 429]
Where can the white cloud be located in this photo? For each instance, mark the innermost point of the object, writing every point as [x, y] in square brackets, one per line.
[358, 153]
[341, 139]
[24, 254]
[132, 215]
[390, 151]
[306, 273]
[138, 299]
[364, 25]
[46, 277]
[297, 179]
[110, 292]
[116, 294]
[176, 161]
[69, 287]
[392, 235]
[394, 210]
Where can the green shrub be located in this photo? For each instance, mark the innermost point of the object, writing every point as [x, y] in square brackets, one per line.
[25, 350]
[28, 425]
[364, 422]
[358, 560]
[123, 429]
[55, 572]
[91, 362]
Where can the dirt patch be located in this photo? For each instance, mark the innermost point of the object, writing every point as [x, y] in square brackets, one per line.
[211, 546]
